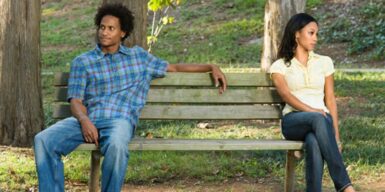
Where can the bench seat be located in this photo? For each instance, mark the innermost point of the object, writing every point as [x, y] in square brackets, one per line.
[142, 144]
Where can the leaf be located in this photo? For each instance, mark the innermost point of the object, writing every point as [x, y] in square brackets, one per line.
[171, 19]
[155, 5]
[165, 20]
[151, 39]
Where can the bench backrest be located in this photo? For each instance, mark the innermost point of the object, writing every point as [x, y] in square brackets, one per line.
[193, 96]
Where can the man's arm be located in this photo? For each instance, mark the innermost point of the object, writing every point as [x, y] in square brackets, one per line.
[218, 76]
[79, 111]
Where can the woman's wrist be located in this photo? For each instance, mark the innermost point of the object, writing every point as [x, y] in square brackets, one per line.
[339, 143]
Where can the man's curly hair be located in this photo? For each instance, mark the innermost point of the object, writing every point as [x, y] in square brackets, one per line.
[125, 16]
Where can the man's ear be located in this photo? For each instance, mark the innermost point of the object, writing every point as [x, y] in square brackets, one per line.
[123, 34]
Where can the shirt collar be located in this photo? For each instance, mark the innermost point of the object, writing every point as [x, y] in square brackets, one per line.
[312, 56]
[122, 49]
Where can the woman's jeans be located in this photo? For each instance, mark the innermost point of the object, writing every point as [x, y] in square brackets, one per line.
[320, 145]
[64, 136]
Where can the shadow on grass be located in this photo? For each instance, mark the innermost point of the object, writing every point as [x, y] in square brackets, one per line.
[364, 140]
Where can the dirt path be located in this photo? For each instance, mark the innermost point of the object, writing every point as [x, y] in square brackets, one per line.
[193, 186]
[231, 186]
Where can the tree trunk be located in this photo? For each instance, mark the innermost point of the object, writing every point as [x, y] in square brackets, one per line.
[277, 14]
[139, 9]
[21, 111]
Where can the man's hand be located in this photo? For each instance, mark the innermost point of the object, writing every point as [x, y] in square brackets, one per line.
[219, 78]
[90, 133]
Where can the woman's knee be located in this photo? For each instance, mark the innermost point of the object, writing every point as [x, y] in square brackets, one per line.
[319, 121]
[311, 142]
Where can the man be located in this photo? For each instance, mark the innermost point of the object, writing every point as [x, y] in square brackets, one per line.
[107, 89]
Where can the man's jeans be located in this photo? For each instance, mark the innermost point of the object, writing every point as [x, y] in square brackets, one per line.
[320, 145]
[64, 136]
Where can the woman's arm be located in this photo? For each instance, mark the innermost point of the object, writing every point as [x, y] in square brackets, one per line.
[331, 104]
[283, 90]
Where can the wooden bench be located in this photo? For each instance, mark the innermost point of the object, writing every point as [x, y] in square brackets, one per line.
[192, 96]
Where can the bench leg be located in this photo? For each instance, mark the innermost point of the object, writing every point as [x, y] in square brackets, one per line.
[95, 171]
[290, 171]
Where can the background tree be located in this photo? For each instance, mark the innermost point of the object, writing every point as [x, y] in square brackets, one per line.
[139, 9]
[277, 14]
[21, 111]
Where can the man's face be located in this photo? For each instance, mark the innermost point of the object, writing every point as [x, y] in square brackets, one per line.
[109, 32]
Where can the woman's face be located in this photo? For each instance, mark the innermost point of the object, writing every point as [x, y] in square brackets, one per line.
[306, 38]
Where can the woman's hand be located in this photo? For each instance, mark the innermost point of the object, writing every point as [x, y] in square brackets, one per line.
[318, 111]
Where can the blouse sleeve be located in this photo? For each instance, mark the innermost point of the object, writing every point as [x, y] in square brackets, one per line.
[328, 67]
[278, 67]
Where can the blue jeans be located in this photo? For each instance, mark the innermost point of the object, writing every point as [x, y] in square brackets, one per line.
[64, 136]
[320, 145]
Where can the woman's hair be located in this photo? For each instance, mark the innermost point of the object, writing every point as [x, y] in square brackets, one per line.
[126, 19]
[288, 43]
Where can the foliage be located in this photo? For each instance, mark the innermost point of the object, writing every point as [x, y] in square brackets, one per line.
[160, 7]
[311, 4]
[372, 33]
[363, 29]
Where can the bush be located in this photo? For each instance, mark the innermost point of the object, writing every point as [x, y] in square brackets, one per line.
[363, 29]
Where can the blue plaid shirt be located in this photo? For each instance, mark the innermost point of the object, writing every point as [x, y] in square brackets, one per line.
[114, 85]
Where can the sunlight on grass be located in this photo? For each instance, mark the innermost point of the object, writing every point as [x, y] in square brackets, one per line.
[16, 168]
[48, 11]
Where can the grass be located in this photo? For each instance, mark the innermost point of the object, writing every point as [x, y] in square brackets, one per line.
[363, 28]
[226, 33]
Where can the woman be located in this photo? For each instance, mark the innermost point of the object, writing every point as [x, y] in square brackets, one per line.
[305, 82]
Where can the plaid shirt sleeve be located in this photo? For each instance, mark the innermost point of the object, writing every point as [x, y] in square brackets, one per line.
[156, 67]
[77, 80]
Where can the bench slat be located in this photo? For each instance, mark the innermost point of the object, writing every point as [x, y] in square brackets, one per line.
[196, 79]
[202, 95]
[139, 144]
[195, 112]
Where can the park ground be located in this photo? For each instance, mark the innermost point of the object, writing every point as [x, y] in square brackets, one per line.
[352, 33]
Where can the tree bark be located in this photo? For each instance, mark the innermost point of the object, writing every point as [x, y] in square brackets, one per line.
[21, 111]
[277, 14]
[139, 9]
